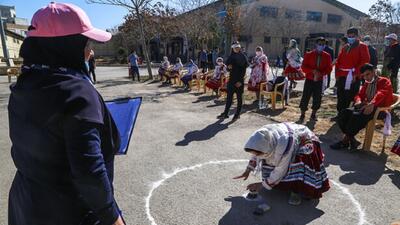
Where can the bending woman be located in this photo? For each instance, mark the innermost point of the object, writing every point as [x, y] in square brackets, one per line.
[290, 159]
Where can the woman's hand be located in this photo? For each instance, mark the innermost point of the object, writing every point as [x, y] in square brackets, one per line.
[119, 221]
[254, 187]
[245, 175]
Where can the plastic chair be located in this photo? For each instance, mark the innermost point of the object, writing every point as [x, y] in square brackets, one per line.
[369, 131]
[273, 94]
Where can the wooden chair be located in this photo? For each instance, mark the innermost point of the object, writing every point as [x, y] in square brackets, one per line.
[177, 79]
[273, 94]
[12, 72]
[196, 81]
[369, 130]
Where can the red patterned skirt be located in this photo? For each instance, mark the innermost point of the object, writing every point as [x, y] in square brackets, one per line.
[306, 174]
[213, 84]
[293, 73]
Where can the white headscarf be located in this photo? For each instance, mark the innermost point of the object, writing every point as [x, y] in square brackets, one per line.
[266, 138]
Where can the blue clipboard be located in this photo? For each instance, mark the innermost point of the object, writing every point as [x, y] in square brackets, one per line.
[124, 112]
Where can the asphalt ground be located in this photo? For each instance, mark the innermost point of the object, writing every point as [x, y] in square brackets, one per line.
[181, 161]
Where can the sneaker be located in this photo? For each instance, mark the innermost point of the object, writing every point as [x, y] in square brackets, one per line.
[222, 116]
[294, 199]
[340, 145]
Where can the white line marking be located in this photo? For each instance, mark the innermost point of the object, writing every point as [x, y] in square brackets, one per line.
[357, 205]
[166, 176]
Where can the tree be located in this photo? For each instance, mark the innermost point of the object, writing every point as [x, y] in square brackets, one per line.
[137, 9]
[381, 16]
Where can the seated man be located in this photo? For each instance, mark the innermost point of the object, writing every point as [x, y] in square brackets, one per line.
[376, 92]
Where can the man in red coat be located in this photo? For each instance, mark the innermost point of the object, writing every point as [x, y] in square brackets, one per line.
[376, 92]
[317, 64]
[352, 56]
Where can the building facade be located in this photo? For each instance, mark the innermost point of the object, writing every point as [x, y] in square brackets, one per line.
[15, 29]
[272, 23]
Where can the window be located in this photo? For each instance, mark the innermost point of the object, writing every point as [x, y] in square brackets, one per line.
[267, 40]
[334, 19]
[267, 11]
[293, 14]
[245, 38]
[314, 16]
[285, 40]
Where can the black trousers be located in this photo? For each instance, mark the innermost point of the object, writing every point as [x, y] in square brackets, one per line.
[93, 74]
[344, 97]
[135, 71]
[328, 85]
[232, 89]
[351, 122]
[314, 89]
[203, 65]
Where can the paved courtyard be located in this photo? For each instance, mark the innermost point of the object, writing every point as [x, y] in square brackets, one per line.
[181, 160]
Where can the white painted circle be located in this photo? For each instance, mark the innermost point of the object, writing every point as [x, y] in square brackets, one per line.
[166, 176]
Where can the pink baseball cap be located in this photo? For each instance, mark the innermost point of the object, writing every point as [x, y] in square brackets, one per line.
[62, 19]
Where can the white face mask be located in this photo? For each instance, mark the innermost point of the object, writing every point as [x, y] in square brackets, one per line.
[220, 63]
[258, 53]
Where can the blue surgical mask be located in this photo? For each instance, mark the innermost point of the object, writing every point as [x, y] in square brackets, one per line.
[320, 48]
[351, 40]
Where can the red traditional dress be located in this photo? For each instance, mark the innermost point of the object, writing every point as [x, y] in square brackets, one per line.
[215, 82]
[259, 72]
[293, 69]
[292, 159]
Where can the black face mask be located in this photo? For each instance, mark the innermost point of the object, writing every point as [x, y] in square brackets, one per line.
[65, 51]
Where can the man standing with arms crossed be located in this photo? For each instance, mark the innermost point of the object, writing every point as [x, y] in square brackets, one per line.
[237, 64]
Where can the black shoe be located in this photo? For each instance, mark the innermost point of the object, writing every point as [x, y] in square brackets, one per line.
[340, 145]
[236, 117]
[222, 116]
[354, 144]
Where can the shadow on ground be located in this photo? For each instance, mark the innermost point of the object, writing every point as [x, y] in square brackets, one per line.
[360, 167]
[113, 83]
[241, 211]
[204, 134]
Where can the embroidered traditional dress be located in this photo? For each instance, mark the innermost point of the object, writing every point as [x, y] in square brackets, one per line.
[192, 70]
[215, 82]
[259, 72]
[176, 69]
[163, 67]
[292, 160]
[293, 70]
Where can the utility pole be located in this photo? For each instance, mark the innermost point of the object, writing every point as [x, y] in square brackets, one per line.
[3, 41]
